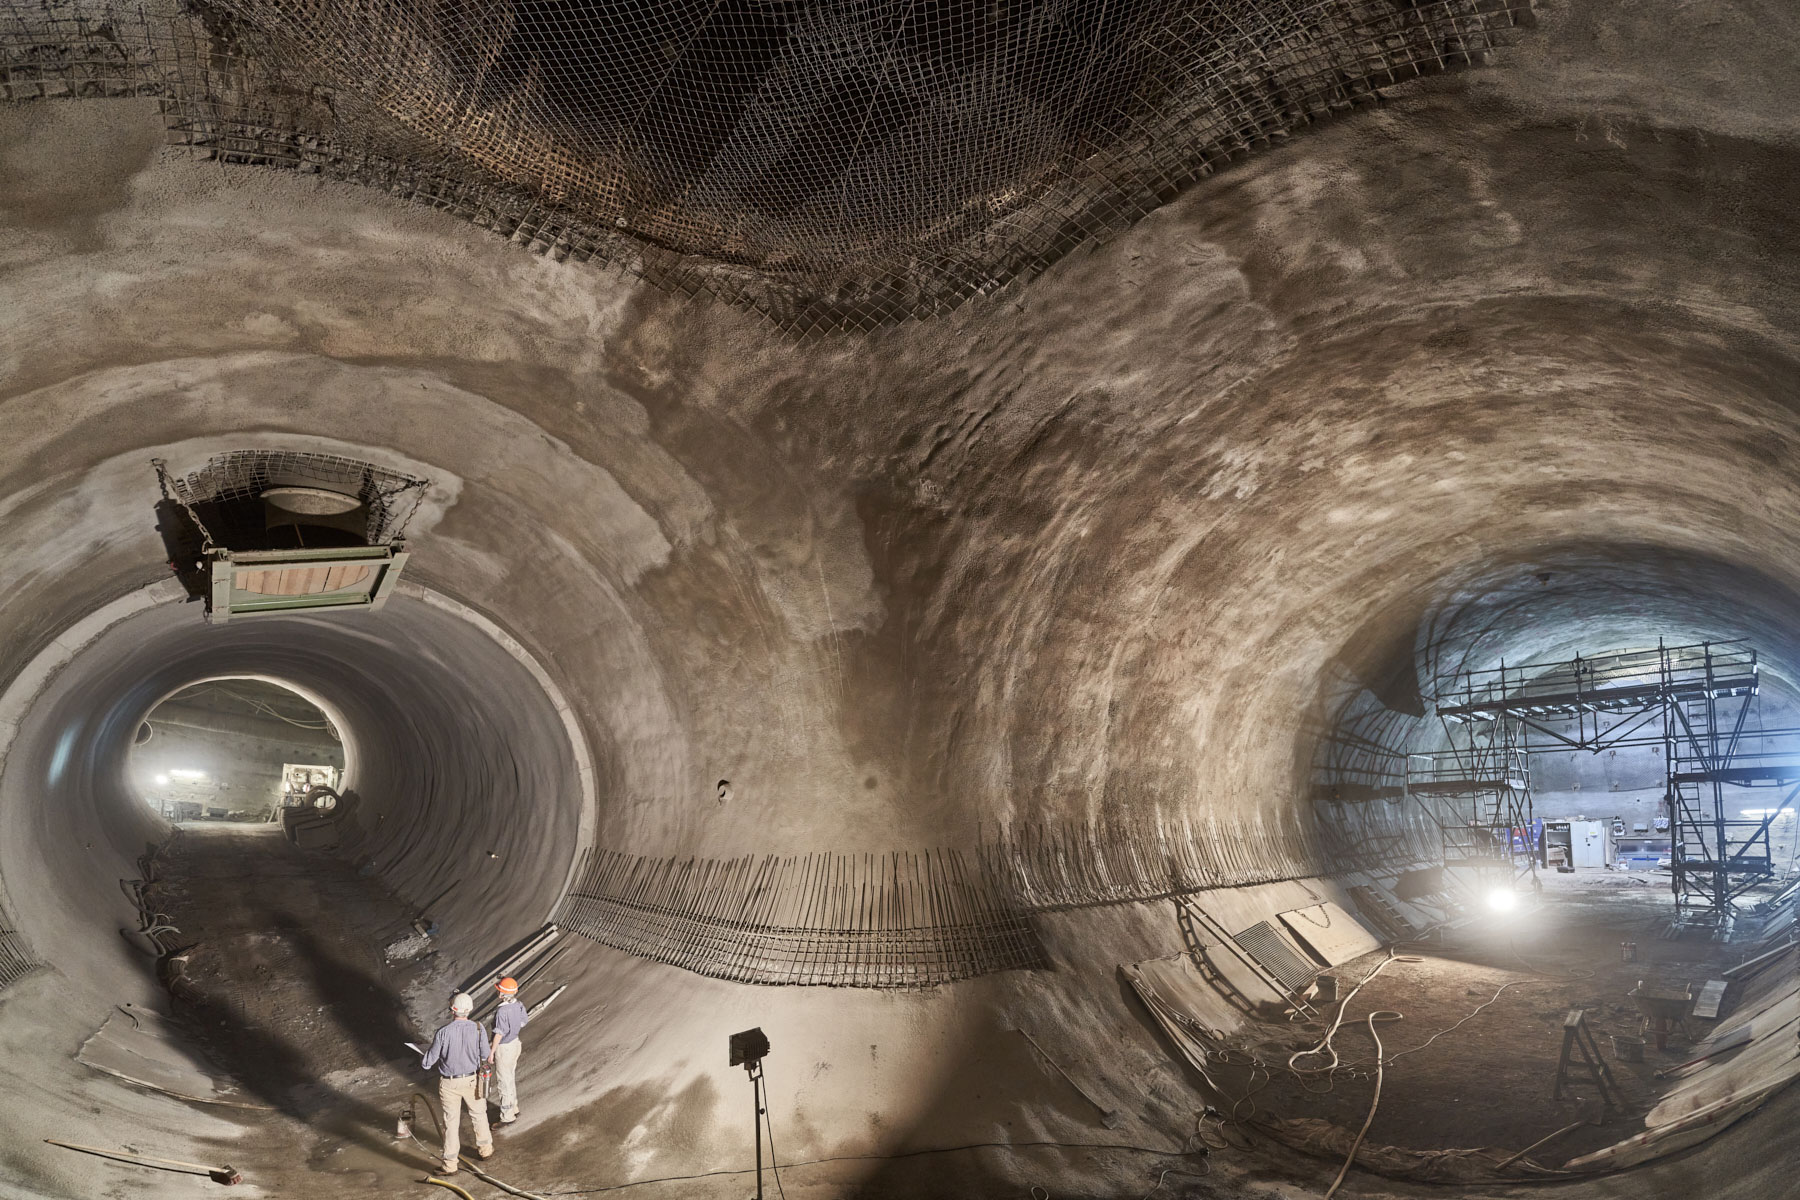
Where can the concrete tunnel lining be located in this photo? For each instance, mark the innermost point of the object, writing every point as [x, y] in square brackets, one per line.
[1438, 334]
[462, 763]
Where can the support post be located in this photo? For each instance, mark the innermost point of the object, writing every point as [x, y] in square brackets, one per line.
[756, 1096]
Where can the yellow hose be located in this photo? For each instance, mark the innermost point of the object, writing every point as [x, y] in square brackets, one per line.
[463, 1158]
[445, 1183]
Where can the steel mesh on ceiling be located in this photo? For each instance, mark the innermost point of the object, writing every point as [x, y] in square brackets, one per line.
[832, 163]
[227, 481]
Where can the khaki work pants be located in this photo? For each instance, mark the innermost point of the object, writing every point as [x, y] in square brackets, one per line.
[453, 1096]
[506, 1078]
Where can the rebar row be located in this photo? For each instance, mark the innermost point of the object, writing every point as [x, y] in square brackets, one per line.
[895, 920]
[900, 920]
[16, 960]
[1044, 866]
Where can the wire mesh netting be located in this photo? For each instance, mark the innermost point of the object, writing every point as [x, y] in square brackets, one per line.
[227, 492]
[831, 163]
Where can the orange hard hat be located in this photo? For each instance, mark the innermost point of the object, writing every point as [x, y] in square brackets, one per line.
[508, 986]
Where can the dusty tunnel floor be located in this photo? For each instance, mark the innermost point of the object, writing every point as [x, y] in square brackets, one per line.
[281, 979]
[285, 983]
[1454, 1080]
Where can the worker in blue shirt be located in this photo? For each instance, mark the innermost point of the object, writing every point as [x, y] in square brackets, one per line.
[456, 1052]
[509, 1021]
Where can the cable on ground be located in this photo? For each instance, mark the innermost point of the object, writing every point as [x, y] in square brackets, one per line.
[1440, 1033]
[445, 1183]
[1373, 1104]
[1326, 1046]
[1323, 1045]
[466, 1161]
[1168, 1171]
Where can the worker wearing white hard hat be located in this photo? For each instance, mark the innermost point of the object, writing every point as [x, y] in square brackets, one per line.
[457, 1052]
[509, 1022]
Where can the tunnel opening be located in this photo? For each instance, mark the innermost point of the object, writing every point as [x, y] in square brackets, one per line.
[240, 750]
[1561, 790]
[1602, 684]
[1678, 762]
[201, 956]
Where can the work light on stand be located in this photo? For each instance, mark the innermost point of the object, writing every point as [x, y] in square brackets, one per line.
[747, 1051]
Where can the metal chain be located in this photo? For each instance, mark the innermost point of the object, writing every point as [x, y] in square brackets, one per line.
[173, 490]
[418, 487]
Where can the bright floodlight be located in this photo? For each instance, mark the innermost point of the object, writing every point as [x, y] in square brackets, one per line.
[162, 780]
[1503, 900]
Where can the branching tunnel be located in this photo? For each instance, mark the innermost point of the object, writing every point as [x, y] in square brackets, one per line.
[943, 649]
[436, 749]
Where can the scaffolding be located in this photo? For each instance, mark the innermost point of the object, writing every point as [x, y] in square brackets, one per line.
[1477, 795]
[1695, 701]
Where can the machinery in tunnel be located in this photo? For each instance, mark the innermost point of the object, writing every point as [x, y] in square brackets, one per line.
[239, 749]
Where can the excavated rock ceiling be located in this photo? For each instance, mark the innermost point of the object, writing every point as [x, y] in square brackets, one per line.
[832, 164]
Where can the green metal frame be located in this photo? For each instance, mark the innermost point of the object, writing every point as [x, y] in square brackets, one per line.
[227, 602]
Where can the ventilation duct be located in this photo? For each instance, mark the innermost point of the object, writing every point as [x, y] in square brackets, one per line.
[257, 531]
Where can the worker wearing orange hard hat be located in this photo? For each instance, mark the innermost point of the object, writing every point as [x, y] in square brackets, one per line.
[509, 1022]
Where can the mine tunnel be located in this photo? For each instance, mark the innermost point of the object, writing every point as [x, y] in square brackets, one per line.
[971, 600]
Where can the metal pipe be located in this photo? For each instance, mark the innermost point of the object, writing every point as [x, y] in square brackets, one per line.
[1730, 972]
[756, 1103]
[1510, 1159]
[216, 1174]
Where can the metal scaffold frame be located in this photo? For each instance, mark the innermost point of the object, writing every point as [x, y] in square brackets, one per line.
[1477, 794]
[1696, 701]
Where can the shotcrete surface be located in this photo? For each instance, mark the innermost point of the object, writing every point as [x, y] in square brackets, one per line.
[1503, 367]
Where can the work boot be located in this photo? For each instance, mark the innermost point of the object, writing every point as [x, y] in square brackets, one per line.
[450, 1168]
[486, 1152]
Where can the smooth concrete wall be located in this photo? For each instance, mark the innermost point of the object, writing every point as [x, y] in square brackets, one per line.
[467, 793]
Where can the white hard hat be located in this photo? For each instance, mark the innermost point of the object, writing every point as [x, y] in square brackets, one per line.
[461, 1004]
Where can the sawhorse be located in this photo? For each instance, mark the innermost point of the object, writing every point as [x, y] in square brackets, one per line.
[1579, 1039]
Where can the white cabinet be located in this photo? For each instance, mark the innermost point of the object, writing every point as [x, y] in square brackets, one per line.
[1591, 842]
